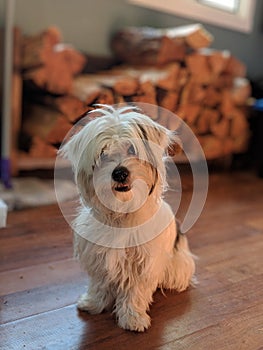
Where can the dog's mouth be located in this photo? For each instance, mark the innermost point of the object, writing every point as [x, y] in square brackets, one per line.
[122, 188]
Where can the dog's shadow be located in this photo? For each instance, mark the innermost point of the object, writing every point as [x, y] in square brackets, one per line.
[102, 332]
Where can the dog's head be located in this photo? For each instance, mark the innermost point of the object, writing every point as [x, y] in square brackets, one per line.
[118, 159]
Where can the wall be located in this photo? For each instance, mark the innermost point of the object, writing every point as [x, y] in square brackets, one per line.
[88, 25]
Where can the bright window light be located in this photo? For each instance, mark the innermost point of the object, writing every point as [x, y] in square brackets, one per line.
[232, 14]
[225, 5]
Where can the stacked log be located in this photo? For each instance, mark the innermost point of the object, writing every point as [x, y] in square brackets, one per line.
[152, 46]
[171, 68]
[49, 63]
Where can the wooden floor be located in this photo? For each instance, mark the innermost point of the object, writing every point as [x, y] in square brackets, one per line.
[40, 282]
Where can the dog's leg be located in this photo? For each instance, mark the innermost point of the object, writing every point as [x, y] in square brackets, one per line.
[181, 266]
[96, 299]
[132, 305]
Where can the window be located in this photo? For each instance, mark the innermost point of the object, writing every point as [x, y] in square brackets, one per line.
[233, 14]
[231, 6]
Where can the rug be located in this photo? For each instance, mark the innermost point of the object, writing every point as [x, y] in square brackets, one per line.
[32, 192]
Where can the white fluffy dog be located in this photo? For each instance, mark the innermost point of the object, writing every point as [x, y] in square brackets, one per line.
[125, 234]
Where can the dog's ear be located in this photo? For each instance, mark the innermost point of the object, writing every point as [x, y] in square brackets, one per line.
[71, 149]
[84, 183]
[66, 149]
[175, 145]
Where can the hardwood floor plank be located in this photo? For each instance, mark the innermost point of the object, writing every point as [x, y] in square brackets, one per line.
[38, 275]
[211, 229]
[34, 301]
[243, 332]
[59, 329]
[236, 250]
[26, 243]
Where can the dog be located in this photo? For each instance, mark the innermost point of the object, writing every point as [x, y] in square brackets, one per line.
[125, 235]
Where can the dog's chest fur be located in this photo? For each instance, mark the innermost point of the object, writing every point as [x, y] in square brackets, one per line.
[125, 267]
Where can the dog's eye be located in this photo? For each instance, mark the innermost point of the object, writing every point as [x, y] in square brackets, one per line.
[103, 156]
[131, 151]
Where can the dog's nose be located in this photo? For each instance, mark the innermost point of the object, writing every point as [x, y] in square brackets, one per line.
[120, 174]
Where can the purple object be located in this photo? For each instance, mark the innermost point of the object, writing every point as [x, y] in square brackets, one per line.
[6, 172]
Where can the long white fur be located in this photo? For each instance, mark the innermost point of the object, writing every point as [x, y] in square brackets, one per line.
[124, 275]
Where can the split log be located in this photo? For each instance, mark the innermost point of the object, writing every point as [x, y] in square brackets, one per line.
[170, 50]
[146, 46]
[217, 60]
[72, 58]
[146, 93]
[56, 75]
[59, 130]
[40, 149]
[36, 49]
[197, 64]
[39, 120]
[170, 82]
[151, 46]
[212, 97]
[228, 146]
[169, 100]
[224, 81]
[221, 129]
[207, 118]
[189, 113]
[71, 107]
[227, 104]
[61, 81]
[85, 89]
[193, 93]
[147, 88]
[126, 86]
[50, 64]
[46, 124]
[196, 36]
[105, 97]
[183, 77]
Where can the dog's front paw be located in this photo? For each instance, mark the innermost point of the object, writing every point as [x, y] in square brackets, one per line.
[134, 321]
[89, 304]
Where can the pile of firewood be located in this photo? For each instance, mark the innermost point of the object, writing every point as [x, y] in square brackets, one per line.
[170, 68]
